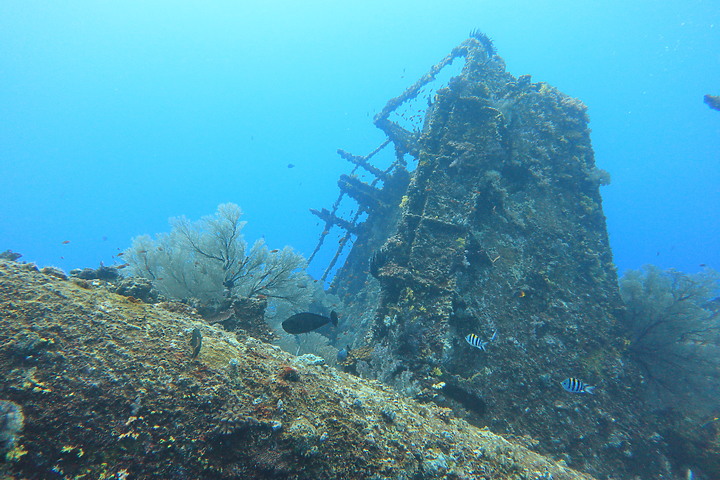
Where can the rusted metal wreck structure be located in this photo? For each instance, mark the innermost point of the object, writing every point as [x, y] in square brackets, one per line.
[498, 232]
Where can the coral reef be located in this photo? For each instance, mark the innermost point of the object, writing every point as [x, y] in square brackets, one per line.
[109, 389]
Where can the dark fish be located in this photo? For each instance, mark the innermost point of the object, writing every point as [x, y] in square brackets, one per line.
[307, 322]
[65, 242]
[291, 165]
[573, 385]
[377, 261]
[196, 342]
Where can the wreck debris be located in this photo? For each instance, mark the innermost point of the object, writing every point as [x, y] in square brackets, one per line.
[374, 201]
[382, 202]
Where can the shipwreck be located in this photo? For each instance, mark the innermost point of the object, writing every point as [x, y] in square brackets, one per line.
[498, 232]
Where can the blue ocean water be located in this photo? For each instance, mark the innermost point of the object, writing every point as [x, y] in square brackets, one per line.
[116, 116]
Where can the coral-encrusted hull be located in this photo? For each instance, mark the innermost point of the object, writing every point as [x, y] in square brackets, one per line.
[108, 389]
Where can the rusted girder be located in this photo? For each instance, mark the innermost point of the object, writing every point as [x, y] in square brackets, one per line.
[369, 197]
[361, 162]
[331, 219]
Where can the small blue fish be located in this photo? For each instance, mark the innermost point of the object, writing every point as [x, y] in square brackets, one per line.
[573, 385]
[342, 355]
[476, 342]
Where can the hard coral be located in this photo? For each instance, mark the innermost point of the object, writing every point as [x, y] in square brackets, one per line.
[232, 418]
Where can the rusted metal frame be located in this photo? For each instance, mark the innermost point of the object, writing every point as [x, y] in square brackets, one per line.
[396, 134]
[365, 165]
[413, 91]
[341, 247]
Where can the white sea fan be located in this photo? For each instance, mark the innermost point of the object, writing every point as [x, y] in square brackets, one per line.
[209, 260]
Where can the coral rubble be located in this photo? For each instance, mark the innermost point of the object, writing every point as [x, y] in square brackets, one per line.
[98, 385]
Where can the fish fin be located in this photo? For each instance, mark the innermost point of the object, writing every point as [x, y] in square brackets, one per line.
[590, 389]
[334, 318]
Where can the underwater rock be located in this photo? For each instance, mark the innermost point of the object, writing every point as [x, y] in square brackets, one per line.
[100, 273]
[309, 359]
[147, 410]
[240, 315]
[55, 272]
[138, 287]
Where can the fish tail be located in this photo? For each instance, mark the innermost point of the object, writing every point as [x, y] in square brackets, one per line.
[334, 318]
[590, 389]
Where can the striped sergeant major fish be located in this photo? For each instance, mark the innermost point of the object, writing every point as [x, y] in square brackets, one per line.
[476, 342]
[573, 385]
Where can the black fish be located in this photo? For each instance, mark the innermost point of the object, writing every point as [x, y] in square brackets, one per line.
[307, 322]
[377, 261]
[196, 342]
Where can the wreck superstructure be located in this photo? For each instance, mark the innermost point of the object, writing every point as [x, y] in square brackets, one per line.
[499, 233]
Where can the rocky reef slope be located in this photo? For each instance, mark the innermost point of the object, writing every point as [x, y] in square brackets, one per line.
[97, 385]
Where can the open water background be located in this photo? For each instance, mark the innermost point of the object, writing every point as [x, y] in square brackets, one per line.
[115, 116]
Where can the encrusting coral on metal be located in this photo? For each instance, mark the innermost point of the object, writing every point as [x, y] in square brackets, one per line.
[109, 388]
[499, 232]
